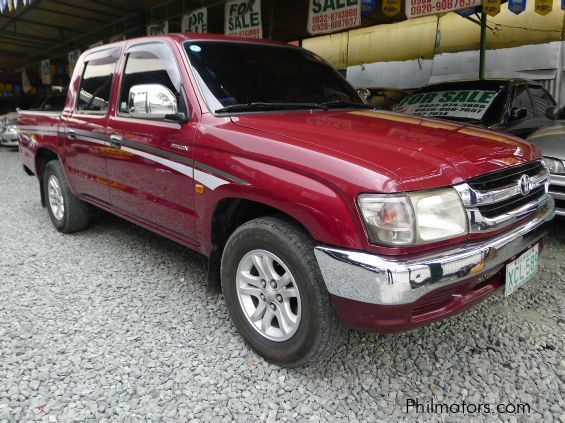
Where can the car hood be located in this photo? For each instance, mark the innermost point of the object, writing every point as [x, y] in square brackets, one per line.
[422, 153]
[551, 140]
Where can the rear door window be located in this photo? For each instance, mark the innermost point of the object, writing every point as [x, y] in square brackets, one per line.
[96, 82]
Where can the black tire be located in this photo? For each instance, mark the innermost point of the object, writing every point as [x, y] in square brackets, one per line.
[319, 329]
[76, 213]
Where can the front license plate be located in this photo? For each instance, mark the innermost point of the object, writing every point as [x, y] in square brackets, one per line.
[521, 270]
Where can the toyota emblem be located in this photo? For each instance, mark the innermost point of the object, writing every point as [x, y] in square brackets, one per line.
[525, 184]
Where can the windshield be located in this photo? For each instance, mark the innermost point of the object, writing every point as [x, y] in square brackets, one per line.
[259, 75]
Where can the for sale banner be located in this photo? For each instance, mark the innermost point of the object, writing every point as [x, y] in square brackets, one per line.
[417, 8]
[543, 7]
[467, 104]
[326, 16]
[517, 6]
[491, 7]
[243, 18]
[195, 21]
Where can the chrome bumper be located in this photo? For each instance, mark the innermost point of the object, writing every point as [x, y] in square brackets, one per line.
[391, 281]
[558, 181]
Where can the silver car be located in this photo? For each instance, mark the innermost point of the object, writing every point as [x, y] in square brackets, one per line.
[8, 130]
[551, 140]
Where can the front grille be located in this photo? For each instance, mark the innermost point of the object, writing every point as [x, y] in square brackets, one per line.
[498, 199]
[505, 177]
[492, 210]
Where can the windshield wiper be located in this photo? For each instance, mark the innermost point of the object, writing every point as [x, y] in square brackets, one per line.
[260, 105]
[345, 103]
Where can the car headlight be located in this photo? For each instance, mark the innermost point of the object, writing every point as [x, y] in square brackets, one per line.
[414, 218]
[555, 166]
[12, 128]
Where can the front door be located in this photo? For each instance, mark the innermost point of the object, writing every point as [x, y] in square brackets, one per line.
[151, 169]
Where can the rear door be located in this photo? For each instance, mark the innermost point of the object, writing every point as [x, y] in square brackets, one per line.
[84, 126]
[151, 168]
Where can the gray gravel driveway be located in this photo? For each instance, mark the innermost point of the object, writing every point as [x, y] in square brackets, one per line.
[114, 324]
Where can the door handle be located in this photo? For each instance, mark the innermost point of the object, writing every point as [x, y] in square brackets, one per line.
[116, 140]
[71, 134]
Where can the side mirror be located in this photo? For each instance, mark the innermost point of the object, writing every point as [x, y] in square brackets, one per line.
[151, 101]
[518, 113]
[555, 113]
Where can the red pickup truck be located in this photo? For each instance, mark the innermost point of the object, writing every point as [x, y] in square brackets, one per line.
[314, 210]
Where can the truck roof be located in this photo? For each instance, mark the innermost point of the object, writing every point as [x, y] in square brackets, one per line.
[182, 37]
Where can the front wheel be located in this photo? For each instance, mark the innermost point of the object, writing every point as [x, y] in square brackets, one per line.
[275, 292]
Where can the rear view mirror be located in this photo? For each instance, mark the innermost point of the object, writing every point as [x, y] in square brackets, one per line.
[151, 101]
[518, 113]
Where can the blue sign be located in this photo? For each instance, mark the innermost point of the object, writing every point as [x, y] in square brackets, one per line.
[369, 7]
[518, 6]
[562, 4]
[468, 11]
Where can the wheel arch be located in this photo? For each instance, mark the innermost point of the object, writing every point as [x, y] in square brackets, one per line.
[43, 156]
[229, 214]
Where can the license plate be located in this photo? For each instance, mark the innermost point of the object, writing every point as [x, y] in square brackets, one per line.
[521, 270]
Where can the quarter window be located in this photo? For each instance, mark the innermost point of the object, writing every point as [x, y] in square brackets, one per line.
[542, 100]
[96, 82]
[151, 64]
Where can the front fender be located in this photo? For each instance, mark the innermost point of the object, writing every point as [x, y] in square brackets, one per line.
[318, 206]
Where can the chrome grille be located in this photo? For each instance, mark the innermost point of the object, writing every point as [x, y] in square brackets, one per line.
[498, 199]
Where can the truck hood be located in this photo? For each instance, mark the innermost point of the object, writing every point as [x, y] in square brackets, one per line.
[422, 153]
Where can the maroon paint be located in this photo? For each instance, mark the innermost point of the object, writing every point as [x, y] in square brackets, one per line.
[310, 165]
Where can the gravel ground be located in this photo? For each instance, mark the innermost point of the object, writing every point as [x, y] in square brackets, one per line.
[115, 324]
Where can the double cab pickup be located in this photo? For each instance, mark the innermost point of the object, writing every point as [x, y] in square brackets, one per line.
[315, 211]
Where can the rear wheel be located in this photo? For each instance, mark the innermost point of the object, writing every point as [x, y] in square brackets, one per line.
[67, 212]
[275, 292]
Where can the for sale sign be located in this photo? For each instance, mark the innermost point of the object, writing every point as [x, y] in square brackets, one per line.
[243, 18]
[468, 104]
[158, 28]
[333, 15]
[416, 8]
[196, 21]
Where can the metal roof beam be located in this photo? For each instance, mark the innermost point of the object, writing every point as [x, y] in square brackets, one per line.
[71, 15]
[80, 6]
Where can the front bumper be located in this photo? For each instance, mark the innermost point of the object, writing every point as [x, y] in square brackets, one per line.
[390, 294]
[557, 191]
[9, 139]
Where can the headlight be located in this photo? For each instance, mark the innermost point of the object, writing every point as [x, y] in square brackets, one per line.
[414, 218]
[555, 166]
[12, 128]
